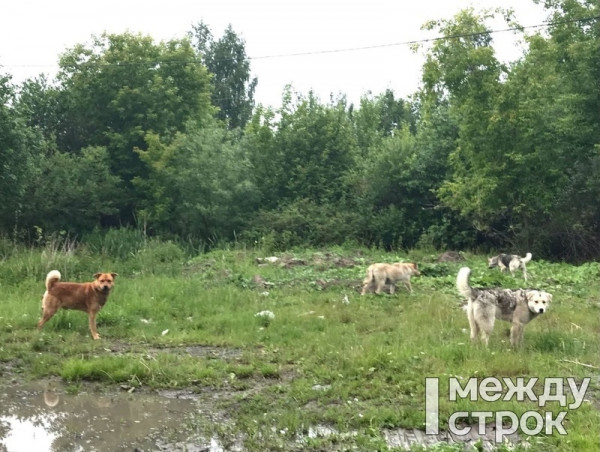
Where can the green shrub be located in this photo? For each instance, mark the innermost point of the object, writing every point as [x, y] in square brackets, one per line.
[158, 256]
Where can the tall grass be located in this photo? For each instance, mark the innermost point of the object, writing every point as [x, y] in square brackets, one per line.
[120, 244]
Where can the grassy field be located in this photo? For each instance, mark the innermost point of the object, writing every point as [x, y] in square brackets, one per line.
[329, 357]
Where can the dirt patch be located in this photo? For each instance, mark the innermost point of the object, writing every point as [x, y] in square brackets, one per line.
[207, 351]
[284, 261]
[450, 256]
[319, 260]
[330, 260]
[407, 438]
[200, 351]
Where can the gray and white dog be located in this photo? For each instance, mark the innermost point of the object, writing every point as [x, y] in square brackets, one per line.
[518, 306]
[511, 261]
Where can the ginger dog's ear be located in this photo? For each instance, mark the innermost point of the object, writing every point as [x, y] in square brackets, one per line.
[97, 275]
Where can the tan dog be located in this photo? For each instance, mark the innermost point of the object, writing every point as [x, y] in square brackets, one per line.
[378, 275]
[89, 297]
[518, 306]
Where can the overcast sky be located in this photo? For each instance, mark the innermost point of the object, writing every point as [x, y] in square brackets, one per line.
[33, 33]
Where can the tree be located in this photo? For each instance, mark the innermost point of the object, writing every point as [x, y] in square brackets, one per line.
[462, 71]
[382, 116]
[392, 199]
[200, 185]
[38, 103]
[72, 192]
[264, 155]
[316, 145]
[123, 87]
[524, 167]
[226, 60]
[549, 108]
[301, 162]
[18, 146]
[441, 227]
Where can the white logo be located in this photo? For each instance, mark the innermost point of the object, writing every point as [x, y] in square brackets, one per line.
[492, 389]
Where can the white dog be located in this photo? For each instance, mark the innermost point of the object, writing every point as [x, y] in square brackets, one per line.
[518, 306]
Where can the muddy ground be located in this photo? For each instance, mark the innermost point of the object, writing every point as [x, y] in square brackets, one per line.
[49, 415]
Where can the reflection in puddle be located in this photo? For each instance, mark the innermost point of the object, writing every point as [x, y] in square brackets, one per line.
[44, 418]
[25, 434]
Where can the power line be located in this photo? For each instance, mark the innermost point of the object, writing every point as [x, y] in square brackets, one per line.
[356, 49]
[422, 41]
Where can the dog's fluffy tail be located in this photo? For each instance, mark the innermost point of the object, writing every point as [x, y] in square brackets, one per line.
[367, 281]
[369, 277]
[527, 258]
[52, 278]
[462, 282]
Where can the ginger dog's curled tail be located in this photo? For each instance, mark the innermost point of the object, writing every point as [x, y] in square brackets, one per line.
[52, 278]
[462, 282]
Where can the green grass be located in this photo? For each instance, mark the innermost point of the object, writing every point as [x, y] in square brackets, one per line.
[369, 358]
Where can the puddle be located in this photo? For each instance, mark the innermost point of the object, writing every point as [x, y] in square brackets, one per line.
[44, 417]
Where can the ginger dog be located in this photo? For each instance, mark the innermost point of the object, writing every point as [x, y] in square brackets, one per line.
[89, 297]
[378, 275]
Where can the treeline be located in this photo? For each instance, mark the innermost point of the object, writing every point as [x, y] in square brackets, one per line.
[166, 137]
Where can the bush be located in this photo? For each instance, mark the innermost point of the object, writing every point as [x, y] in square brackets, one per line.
[160, 256]
[301, 223]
